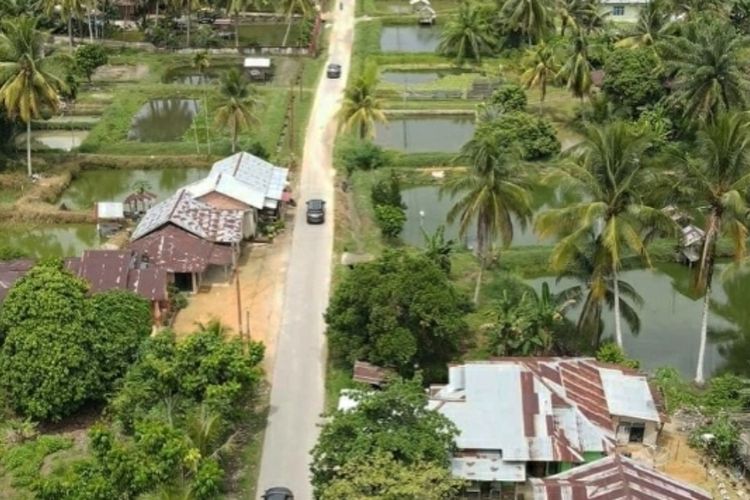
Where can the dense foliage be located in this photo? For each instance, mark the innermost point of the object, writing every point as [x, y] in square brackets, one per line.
[394, 421]
[358, 154]
[397, 311]
[87, 58]
[509, 97]
[532, 136]
[633, 79]
[388, 206]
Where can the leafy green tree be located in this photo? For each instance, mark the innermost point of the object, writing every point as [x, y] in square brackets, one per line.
[469, 34]
[718, 178]
[87, 58]
[238, 102]
[576, 70]
[653, 25]
[531, 137]
[390, 219]
[706, 62]
[394, 421]
[362, 108]
[541, 67]
[357, 154]
[534, 18]
[740, 15]
[122, 320]
[380, 477]
[633, 79]
[47, 366]
[27, 87]
[438, 249]
[509, 97]
[397, 311]
[608, 169]
[387, 191]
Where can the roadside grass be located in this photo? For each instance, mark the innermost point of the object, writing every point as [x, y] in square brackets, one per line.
[22, 464]
[244, 466]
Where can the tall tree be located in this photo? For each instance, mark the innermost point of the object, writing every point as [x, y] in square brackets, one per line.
[237, 111]
[492, 192]
[236, 7]
[534, 18]
[28, 87]
[361, 107]
[719, 178]
[706, 62]
[578, 14]
[469, 34]
[292, 7]
[608, 169]
[654, 21]
[576, 71]
[202, 62]
[187, 6]
[541, 68]
[67, 9]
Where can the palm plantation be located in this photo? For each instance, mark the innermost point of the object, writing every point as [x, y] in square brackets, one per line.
[608, 170]
[26, 88]
[533, 18]
[468, 35]
[542, 68]
[652, 26]
[68, 10]
[576, 70]
[237, 110]
[362, 108]
[292, 7]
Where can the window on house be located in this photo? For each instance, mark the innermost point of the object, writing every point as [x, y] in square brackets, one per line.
[618, 10]
[637, 431]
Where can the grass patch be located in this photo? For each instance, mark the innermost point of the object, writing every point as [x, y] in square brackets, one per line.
[246, 462]
[24, 462]
[338, 377]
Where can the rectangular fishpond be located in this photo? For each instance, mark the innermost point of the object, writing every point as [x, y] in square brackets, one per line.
[163, 120]
[425, 134]
[63, 140]
[50, 240]
[409, 38]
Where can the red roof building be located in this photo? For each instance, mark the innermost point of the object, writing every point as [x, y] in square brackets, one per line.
[10, 272]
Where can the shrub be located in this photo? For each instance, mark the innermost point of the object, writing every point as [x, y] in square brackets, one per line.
[390, 219]
[723, 443]
[387, 191]
[609, 352]
[534, 136]
[361, 155]
[509, 97]
[87, 58]
[633, 79]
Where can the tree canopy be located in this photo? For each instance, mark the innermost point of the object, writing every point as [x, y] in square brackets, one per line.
[633, 78]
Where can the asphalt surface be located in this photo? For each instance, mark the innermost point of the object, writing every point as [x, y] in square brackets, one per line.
[297, 393]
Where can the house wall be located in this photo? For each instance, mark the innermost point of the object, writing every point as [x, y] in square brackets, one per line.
[630, 12]
[650, 431]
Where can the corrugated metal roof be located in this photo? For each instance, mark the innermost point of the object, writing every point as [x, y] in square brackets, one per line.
[10, 272]
[228, 186]
[177, 250]
[257, 173]
[370, 374]
[110, 210]
[614, 478]
[196, 217]
[628, 396]
[487, 466]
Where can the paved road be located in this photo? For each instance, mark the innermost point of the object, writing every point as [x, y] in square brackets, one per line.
[297, 393]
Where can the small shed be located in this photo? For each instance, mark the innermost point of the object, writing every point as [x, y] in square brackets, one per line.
[110, 216]
[258, 68]
[138, 203]
[370, 374]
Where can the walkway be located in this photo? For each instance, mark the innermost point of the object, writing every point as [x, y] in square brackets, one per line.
[298, 378]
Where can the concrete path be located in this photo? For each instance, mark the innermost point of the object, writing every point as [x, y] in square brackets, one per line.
[297, 393]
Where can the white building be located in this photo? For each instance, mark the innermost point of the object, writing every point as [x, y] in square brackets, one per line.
[623, 11]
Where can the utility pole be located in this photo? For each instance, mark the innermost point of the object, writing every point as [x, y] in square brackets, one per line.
[239, 307]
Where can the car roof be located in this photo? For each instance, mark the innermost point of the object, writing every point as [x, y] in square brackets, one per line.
[278, 490]
[334, 65]
[316, 203]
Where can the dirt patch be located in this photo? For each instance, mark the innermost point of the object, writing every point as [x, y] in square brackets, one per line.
[262, 276]
[120, 73]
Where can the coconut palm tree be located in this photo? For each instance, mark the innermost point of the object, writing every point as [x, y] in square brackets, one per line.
[607, 169]
[542, 66]
[237, 111]
[719, 180]
[362, 108]
[187, 6]
[654, 21]
[468, 34]
[26, 86]
[202, 63]
[292, 7]
[576, 71]
[67, 9]
[534, 18]
[490, 194]
[579, 14]
[706, 62]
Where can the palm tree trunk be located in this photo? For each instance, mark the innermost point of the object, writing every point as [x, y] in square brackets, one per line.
[288, 29]
[195, 134]
[28, 147]
[157, 12]
[237, 30]
[208, 128]
[699, 379]
[234, 138]
[91, 25]
[188, 26]
[618, 321]
[70, 31]
[478, 286]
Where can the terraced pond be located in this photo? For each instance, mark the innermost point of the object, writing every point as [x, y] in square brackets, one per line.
[162, 120]
[420, 134]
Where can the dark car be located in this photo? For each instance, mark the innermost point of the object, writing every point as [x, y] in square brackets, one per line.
[316, 211]
[278, 493]
[333, 71]
[207, 16]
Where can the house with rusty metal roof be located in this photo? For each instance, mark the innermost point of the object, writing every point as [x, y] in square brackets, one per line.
[10, 272]
[123, 270]
[527, 417]
[263, 178]
[614, 478]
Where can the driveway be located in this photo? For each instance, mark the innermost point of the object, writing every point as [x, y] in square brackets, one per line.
[297, 392]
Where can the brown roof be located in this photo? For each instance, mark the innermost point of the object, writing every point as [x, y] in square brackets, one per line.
[370, 374]
[10, 272]
[179, 251]
[614, 478]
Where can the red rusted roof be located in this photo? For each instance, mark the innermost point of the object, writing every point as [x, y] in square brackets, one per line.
[614, 478]
[370, 374]
[179, 251]
[10, 272]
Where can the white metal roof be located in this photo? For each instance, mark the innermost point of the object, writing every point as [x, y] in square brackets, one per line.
[257, 62]
[486, 467]
[228, 186]
[628, 395]
[110, 210]
[257, 173]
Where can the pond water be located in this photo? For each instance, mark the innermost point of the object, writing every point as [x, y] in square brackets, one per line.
[409, 38]
[162, 120]
[671, 317]
[91, 186]
[423, 134]
[50, 240]
[434, 211]
[64, 140]
[188, 78]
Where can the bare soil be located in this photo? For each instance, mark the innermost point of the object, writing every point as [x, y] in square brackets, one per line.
[120, 73]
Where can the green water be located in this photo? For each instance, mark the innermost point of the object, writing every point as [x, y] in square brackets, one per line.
[162, 120]
[425, 134]
[409, 38]
[91, 186]
[64, 140]
[50, 240]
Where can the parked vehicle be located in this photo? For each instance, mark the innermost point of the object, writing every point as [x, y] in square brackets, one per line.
[333, 71]
[278, 493]
[316, 211]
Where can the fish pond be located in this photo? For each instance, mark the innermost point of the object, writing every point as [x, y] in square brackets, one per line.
[91, 186]
[64, 140]
[50, 240]
[409, 38]
[161, 120]
[425, 134]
